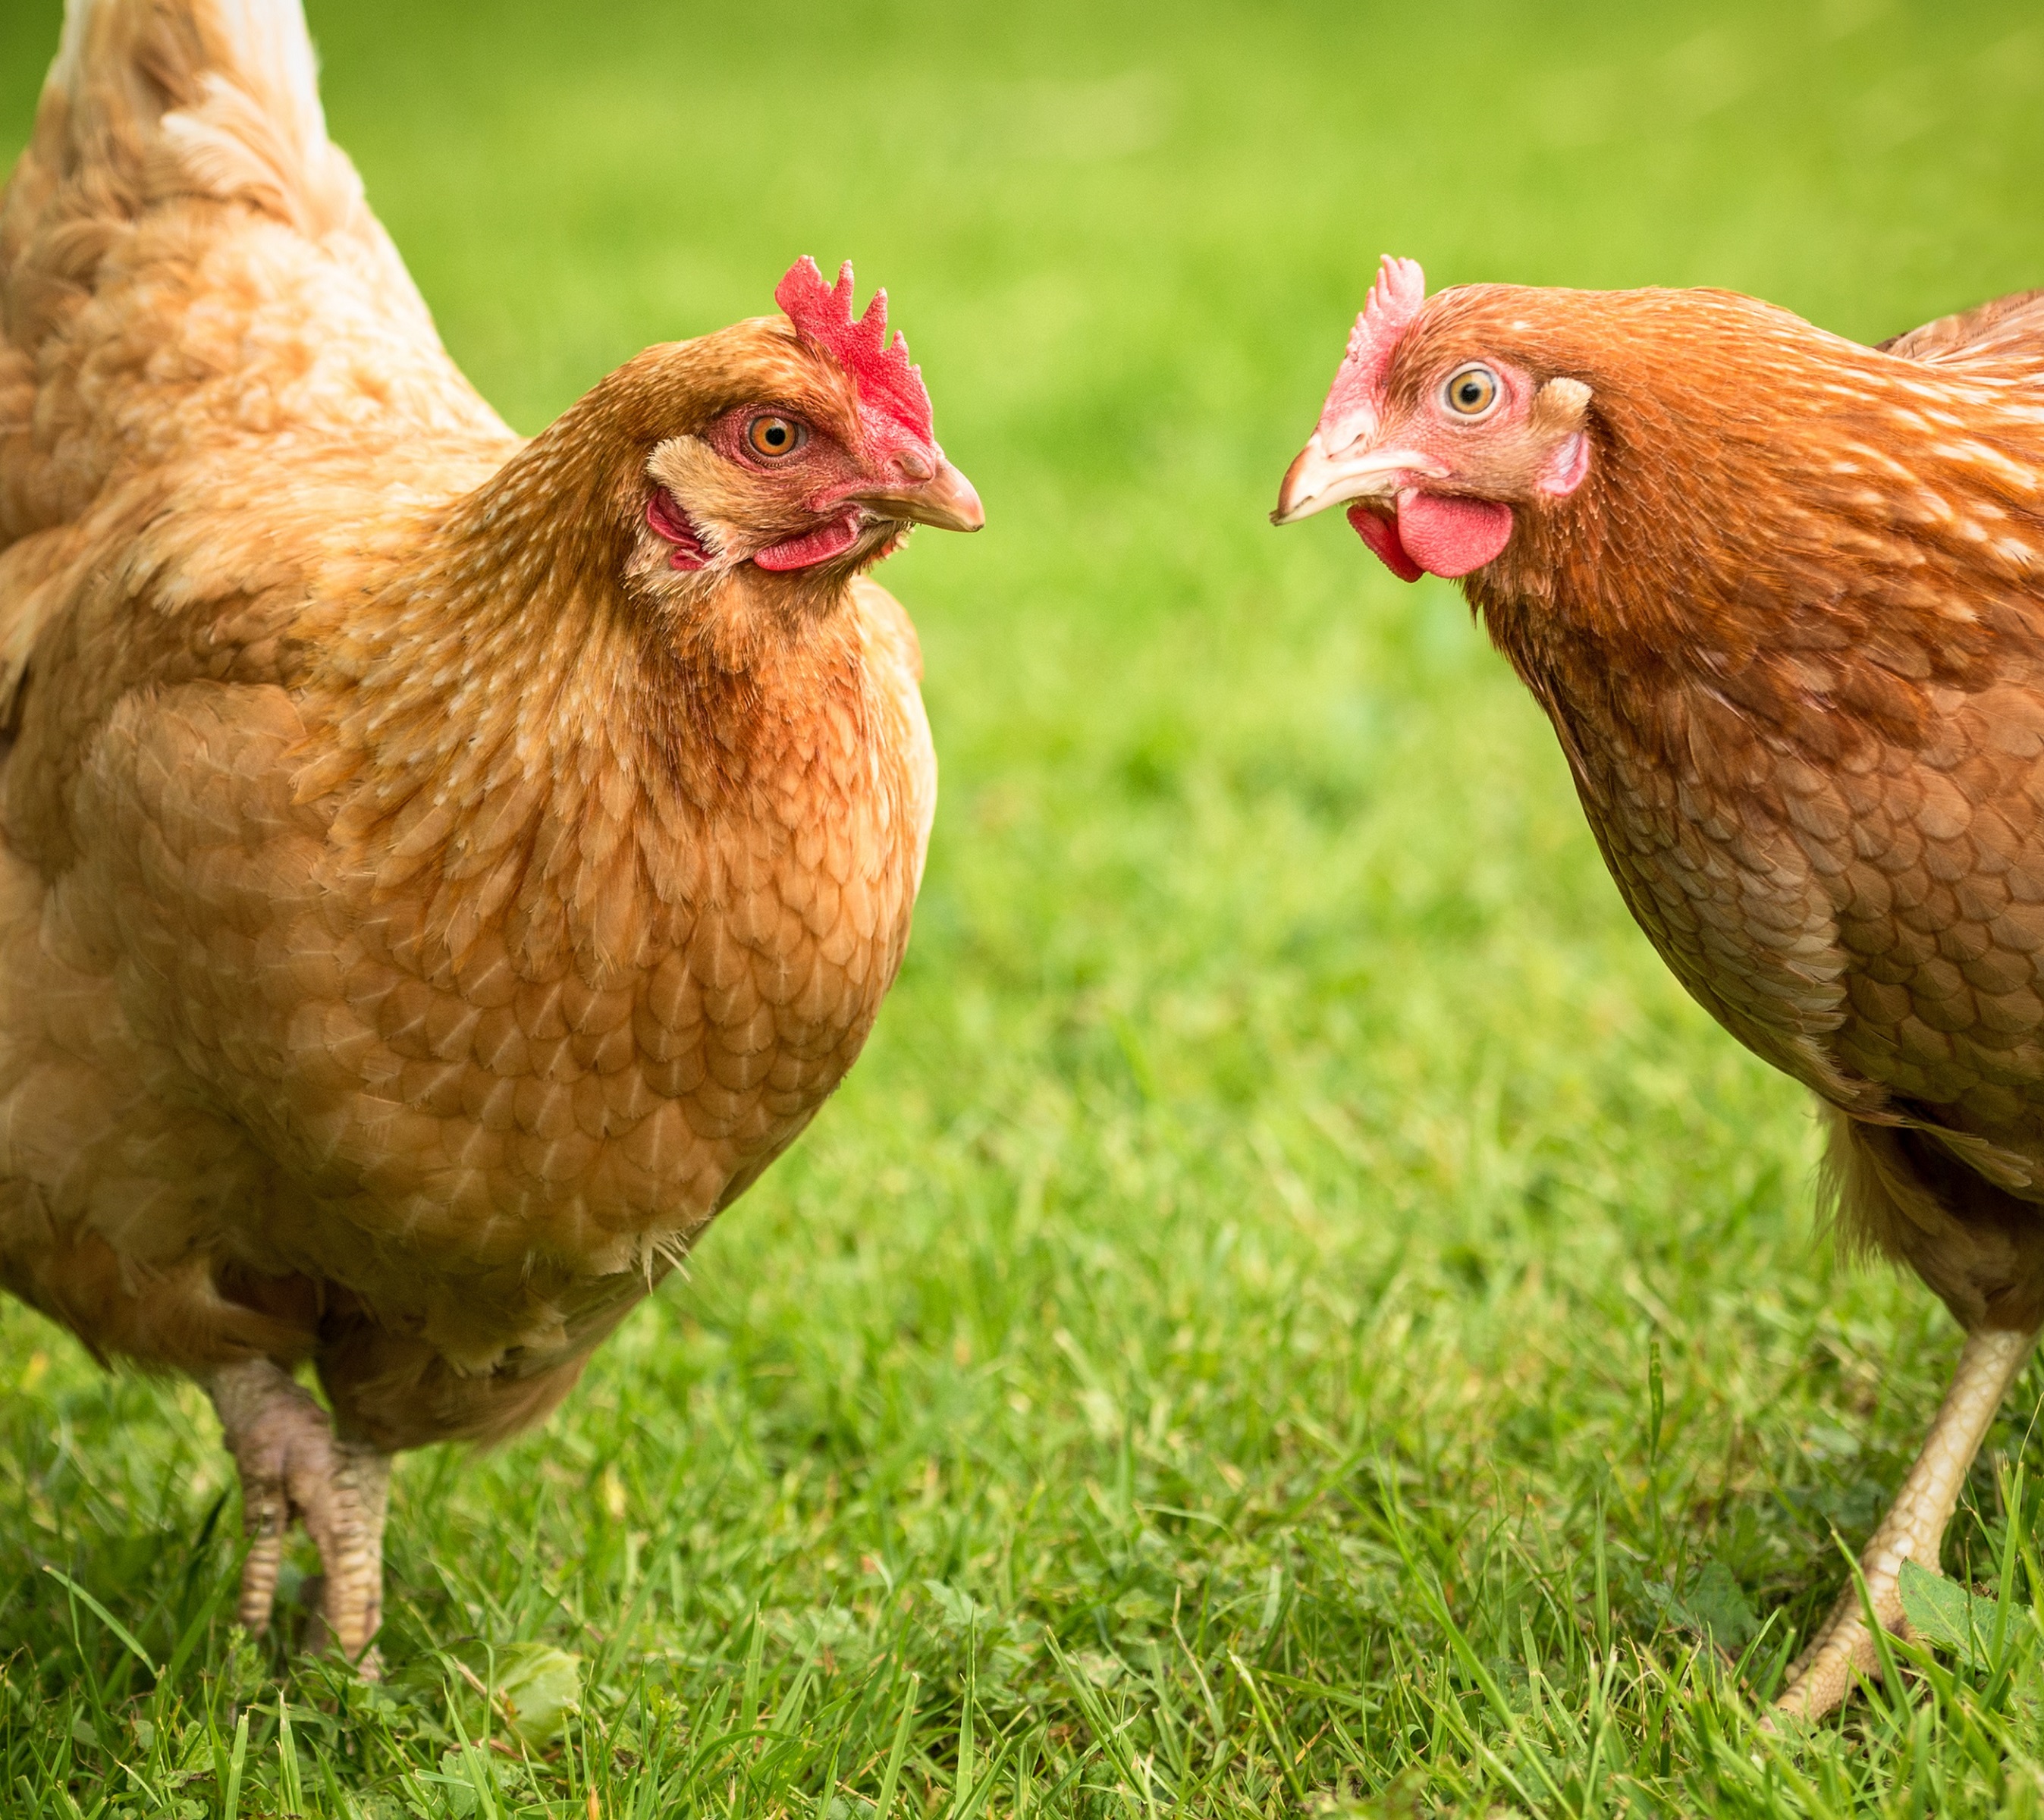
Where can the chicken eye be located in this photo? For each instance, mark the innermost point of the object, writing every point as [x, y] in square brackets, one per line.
[771, 435]
[1471, 392]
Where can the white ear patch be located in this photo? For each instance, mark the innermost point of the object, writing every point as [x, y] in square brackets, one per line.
[1566, 399]
[1561, 406]
[1563, 471]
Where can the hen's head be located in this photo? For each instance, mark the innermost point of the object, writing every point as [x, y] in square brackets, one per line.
[1441, 426]
[798, 448]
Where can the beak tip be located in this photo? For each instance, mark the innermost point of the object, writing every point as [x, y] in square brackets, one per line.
[960, 500]
[1317, 481]
[947, 502]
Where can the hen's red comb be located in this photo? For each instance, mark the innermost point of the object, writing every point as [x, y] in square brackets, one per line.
[1394, 301]
[888, 385]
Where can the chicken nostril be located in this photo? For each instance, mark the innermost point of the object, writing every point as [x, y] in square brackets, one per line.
[914, 465]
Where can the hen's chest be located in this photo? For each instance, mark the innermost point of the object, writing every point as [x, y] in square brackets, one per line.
[550, 1029]
[1717, 875]
[1869, 918]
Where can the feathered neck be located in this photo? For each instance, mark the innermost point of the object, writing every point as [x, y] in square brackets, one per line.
[1760, 489]
[510, 708]
[516, 633]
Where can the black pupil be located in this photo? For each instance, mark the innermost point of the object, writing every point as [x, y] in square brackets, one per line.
[1471, 391]
[775, 435]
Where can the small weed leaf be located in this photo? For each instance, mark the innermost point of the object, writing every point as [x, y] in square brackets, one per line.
[538, 1687]
[960, 1611]
[1946, 1615]
[1713, 1605]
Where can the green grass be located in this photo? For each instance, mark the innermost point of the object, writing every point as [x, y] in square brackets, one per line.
[1295, 1310]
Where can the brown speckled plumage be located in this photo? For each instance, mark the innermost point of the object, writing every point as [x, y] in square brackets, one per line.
[1791, 632]
[1782, 597]
[421, 908]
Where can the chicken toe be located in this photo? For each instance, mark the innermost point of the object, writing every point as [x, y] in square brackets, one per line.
[294, 1469]
[1844, 1648]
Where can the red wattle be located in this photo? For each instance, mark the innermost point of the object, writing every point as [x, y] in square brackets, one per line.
[1451, 537]
[1381, 534]
[817, 546]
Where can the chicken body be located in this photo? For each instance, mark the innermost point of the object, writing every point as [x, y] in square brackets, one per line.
[437, 873]
[1782, 597]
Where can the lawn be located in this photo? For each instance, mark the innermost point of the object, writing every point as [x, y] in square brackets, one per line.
[1295, 1311]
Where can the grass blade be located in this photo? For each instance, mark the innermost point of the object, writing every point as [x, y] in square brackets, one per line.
[885, 1805]
[106, 1617]
[230, 1806]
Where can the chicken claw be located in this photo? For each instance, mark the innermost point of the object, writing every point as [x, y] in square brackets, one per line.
[1845, 1649]
[294, 1468]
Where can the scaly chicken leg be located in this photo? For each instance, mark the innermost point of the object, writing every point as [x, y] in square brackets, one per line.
[294, 1467]
[1914, 1528]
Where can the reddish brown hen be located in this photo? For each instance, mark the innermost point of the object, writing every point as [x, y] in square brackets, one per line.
[1782, 597]
[437, 874]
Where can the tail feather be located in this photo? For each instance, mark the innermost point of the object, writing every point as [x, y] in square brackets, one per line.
[2005, 329]
[211, 97]
[154, 111]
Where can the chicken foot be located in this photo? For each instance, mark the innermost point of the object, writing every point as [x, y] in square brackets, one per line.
[1914, 1528]
[294, 1468]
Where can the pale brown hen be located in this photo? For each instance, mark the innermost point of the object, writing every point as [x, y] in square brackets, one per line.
[437, 873]
[1782, 597]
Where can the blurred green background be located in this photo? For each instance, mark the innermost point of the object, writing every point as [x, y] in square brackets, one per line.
[1289, 1241]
